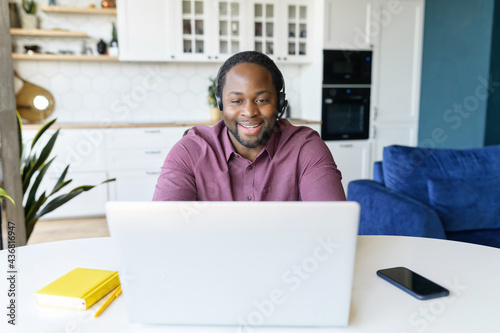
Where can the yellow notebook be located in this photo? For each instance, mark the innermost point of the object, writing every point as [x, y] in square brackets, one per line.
[78, 289]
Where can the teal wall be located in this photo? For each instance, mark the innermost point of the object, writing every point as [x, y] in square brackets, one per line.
[455, 73]
[492, 133]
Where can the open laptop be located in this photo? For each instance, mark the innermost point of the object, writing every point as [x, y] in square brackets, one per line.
[241, 264]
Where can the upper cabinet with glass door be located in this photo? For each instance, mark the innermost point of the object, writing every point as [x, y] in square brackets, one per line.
[280, 29]
[194, 18]
[298, 45]
[211, 29]
[264, 25]
[231, 28]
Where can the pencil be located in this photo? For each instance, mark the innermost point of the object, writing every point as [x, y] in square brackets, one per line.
[117, 292]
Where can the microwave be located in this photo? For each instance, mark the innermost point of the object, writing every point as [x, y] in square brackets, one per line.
[347, 67]
[345, 113]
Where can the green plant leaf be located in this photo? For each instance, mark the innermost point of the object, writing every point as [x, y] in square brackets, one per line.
[30, 212]
[61, 181]
[63, 198]
[3, 194]
[41, 131]
[62, 185]
[36, 184]
[40, 161]
[28, 165]
[20, 136]
[59, 201]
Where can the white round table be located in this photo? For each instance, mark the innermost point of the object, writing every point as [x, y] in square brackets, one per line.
[471, 272]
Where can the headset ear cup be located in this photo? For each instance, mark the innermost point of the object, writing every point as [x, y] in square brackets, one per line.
[282, 104]
[219, 102]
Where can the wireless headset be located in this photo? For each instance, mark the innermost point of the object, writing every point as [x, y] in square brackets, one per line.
[282, 102]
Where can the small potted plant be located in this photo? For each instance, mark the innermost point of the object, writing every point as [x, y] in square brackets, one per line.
[29, 20]
[215, 113]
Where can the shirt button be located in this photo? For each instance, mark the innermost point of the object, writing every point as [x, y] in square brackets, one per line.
[249, 198]
[250, 167]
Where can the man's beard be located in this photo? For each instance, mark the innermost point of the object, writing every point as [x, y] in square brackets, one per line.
[266, 134]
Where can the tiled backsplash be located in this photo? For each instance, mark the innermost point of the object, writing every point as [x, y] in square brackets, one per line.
[132, 92]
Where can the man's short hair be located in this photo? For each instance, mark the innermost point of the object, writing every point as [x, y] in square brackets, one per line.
[252, 57]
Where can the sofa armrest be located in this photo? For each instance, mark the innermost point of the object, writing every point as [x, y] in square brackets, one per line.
[386, 212]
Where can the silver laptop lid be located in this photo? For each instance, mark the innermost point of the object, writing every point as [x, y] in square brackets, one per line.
[236, 263]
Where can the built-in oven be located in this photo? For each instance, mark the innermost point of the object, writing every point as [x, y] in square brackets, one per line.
[346, 113]
[346, 94]
[347, 67]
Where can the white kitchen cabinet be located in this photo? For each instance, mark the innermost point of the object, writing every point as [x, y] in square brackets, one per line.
[134, 185]
[398, 60]
[281, 29]
[232, 28]
[397, 74]
[353, 159]
[194, 29]
[384, 135]
[143, 137]
[145, 30]
[210, 30]
[182, 30]
[350, 25]
[135, 157]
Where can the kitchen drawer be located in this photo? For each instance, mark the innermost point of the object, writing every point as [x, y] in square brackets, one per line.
[129, 159]
[135, 185]
[164, 137]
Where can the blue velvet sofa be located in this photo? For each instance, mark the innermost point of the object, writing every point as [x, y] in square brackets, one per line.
[438, 193]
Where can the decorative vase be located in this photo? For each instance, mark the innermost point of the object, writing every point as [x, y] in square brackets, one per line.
[215, 114]
[101, 47]
[29, 21]
[33, 102]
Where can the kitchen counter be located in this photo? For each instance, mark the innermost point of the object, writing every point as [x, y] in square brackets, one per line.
[31, 126]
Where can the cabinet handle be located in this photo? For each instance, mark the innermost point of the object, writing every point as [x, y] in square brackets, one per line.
[374, 132]
[216, 57]
[172, 56]
[153, 152]
[152, 131]
[346, 145]
[375, 112]
[152, 173]
[209, 57]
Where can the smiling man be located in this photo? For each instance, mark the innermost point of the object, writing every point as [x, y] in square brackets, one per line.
[252, 154]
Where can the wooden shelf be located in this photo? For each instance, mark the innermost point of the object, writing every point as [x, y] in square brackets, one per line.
[78, 10]
[62, 57]
[46, 33]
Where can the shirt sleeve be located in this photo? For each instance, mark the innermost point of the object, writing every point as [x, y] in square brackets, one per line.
[177, 179]
[320, 179]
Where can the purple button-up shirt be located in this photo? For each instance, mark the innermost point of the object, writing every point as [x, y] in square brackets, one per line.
[294, 165]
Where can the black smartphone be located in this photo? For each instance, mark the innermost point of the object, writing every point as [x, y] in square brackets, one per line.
[412, 283]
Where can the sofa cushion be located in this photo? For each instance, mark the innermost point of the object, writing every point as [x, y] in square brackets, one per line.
[489, 237]
[407, 169]
[466, 204]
